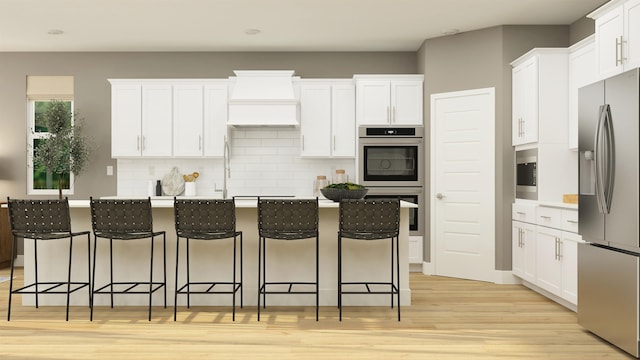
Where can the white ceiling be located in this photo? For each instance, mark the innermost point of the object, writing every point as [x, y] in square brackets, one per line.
[285, 25]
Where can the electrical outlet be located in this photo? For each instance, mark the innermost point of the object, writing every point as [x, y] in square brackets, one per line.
[109, 170]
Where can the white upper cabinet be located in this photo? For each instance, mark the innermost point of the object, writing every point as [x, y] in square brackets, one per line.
[215, 118]
[327, 114]
[582, 71]
[140, 119]
[539, 97]
[188, 112]
[617, 34]
[168, 118]
[126, 119]
[389, 100]
[156, 120]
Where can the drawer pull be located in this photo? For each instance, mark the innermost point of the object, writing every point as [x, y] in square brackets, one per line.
[572, 221]
[545, 217]
[521, 213]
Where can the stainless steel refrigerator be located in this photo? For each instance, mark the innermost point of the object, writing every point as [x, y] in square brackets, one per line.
[608, 264]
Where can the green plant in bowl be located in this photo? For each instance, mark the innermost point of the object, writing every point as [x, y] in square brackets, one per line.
[348, 190]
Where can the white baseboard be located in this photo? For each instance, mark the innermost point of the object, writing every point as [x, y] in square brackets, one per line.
[499, 277]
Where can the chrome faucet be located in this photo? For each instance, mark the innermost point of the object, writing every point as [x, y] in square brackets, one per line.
[227, 170]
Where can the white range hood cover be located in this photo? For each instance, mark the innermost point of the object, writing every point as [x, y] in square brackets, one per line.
[263, 98]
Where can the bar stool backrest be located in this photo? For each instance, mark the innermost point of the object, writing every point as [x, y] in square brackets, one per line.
[370, 218]
[193, 216]
[287, 219]
[131, 216]
[39, 216]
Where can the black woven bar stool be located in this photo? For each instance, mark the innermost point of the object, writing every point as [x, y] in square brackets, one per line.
[126, 220]
[286, 219]
[45, 220]
[207, 220]
[370, 220]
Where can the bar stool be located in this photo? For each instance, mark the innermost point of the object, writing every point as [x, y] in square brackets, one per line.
[126, 220]
[206, 220]
[45, 220]
[370, 220]
[286, 219]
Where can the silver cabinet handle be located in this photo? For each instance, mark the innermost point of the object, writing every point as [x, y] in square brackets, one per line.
[545, 217]
[199, 142]
[619, 51]
[138, 143]
[439, 196]
[572, 221]
[520, 213]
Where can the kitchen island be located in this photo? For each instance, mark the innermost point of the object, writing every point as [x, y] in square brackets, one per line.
[362, 260]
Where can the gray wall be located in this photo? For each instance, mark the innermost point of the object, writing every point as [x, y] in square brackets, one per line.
[93, 97]
[481, 59]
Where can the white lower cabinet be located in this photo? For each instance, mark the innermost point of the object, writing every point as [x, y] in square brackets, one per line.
[524, 251]
[545, 253]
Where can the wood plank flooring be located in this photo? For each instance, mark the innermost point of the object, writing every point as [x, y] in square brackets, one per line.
[449, 319]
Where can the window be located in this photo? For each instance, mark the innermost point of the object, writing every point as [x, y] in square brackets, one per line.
[40, 92]
[40, 181]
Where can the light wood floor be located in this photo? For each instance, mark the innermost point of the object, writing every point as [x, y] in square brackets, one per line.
[449, 319]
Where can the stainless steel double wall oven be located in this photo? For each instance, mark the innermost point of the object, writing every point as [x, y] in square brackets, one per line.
[391, 165]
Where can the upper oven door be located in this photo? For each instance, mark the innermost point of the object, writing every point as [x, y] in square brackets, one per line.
[391, 161]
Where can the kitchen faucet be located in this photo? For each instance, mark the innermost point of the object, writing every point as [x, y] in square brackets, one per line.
[227, 170]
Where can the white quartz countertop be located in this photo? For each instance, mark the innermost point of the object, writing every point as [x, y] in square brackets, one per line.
[167, 202]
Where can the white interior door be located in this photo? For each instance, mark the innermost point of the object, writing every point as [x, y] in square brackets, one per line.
[463, 184]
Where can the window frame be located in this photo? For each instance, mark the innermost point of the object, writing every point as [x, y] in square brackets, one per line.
[32, 135]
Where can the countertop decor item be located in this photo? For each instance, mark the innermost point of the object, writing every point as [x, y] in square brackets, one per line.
[173, 183]
[337, 192]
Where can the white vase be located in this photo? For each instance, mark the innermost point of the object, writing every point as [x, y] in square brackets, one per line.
[190, 188]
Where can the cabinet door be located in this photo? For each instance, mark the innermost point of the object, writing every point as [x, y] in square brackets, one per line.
[525, 102]
[315, 119]
[582, 71]
[517, 247]
[373, 102]
[549, 269]
[215, 119]
[609, 29]
[126, 120]
[187, 120]
[343, 120]
[524, 251]
[156, 120]
[632, 34]
[406, 103]
[569, 256]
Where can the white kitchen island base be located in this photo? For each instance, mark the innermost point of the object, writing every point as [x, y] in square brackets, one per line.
[212, 261]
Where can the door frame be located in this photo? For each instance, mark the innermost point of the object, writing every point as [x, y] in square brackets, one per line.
[432, 231]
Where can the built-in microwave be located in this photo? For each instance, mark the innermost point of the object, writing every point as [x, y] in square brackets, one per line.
[527, 174]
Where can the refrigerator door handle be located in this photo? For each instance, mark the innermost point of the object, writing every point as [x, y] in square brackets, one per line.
[610, 158]
[597, 162]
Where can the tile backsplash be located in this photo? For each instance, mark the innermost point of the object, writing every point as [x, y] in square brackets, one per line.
[263, 161]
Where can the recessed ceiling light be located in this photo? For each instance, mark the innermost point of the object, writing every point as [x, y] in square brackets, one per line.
[450, 31]
[55, 32]
[252, 31]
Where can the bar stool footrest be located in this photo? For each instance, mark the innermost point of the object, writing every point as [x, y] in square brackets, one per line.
[132, 286]
[210, 290]
[394, 288]
[50, 289]
[263, 288]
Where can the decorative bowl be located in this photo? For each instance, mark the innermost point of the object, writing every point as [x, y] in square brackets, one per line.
[339, 194]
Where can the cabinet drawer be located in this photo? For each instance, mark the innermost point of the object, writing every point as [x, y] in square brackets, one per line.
[570, 220]
[524, 212]
[549, 217]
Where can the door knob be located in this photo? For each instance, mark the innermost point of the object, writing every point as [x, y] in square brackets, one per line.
[439, 196]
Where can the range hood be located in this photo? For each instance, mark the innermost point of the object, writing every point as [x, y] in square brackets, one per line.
[263, 98]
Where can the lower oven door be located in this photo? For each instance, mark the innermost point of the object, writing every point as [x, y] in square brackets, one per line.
[410, 194]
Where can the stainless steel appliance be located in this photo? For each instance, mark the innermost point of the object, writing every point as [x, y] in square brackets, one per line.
[410, 194]
[527, 174]
[391, 156]
[608, 264]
